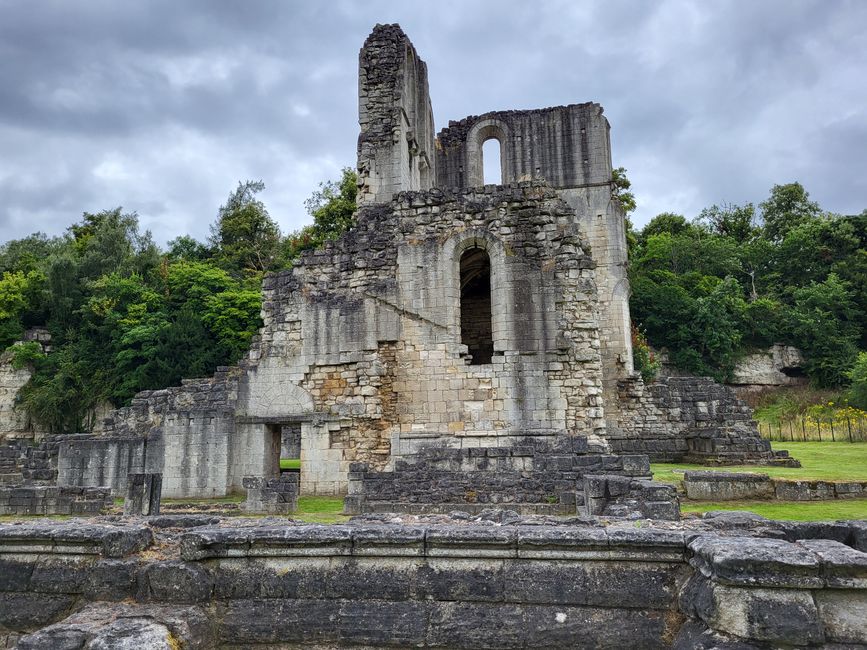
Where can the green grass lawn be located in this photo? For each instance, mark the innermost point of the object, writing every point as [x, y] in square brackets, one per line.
[798, 510]
[830, 461]
[320, 510]
[290, 463]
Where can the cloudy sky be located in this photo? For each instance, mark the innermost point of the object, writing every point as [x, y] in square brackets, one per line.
[163, 106]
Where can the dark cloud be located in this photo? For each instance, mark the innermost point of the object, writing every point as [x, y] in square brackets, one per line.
[163, 106]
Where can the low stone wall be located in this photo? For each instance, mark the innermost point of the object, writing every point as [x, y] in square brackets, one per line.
[24, 462]
[426, 585]
[88, 460]
[688, 419]
[733, 486]
[622, 496]
[534, 477]
[52, 500]
[277, 496]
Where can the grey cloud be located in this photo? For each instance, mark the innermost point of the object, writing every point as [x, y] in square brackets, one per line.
[163, 106]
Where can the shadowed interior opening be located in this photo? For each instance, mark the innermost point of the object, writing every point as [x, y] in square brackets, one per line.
[476, 329]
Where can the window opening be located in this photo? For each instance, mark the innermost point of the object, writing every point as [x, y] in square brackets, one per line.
[476, 323]
[492, 168]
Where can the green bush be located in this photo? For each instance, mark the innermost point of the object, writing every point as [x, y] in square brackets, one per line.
[858, 389]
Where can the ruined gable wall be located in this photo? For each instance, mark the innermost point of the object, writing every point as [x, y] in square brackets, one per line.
[569, 147]
[396, 143]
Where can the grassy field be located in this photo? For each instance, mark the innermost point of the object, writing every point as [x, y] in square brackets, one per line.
[320, 510]
[798, 511]
[830, 461]
[827, 461]
[290, 463]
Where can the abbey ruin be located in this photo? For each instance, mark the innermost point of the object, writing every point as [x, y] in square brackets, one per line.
[453, 315]
[458, 367]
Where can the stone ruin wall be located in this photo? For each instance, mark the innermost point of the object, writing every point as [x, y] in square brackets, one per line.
[361, 341]
[396, 148]
[569, 148]
[727, 582]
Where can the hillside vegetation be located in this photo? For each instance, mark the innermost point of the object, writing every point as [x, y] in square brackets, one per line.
[737, 278]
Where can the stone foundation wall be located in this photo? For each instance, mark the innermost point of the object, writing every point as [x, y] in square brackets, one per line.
[730, 486]
[52, 500]
[277, 496]
[436, 586]
[687, 419]
[24, 462]
[530, 477]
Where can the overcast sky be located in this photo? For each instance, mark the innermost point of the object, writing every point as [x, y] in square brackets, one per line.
[163, 106]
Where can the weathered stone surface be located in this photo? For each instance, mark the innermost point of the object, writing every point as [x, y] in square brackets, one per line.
[463, 584]
[143, 494]
[175, 582]
[757, 562]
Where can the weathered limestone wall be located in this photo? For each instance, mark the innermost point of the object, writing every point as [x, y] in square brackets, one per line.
[53, 500]
[730, 486]
[455, 586]
[532, 477]
[396, 145]
[13, 421]
[688, 418]
[569, 148]
[365, 333]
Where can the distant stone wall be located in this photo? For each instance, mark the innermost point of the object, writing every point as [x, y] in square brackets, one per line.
[688, 418]
[21, 461]
[731, 486]
[532, 477]
[53, 500]
[455, 586]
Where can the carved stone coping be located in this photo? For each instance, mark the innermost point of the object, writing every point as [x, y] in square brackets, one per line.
[580, 543]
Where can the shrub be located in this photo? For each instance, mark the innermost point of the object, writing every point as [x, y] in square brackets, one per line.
[645, 361]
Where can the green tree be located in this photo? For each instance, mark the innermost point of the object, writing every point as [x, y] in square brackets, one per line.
[858, 376]
[826, 327]
[787, 207]
[244, 237]
[734, 221]
[621, 192]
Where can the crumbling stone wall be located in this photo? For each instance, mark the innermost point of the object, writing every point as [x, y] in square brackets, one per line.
[21, 461]
[569, 148]
[361, 343]
[53, 500]
[396, 145]
[688, 418]
[534, 476]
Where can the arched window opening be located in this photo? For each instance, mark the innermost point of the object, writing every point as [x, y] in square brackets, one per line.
[491, 162]
[476, 328]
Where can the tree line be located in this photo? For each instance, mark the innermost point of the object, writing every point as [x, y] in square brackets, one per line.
[125, 315]
[739, 278]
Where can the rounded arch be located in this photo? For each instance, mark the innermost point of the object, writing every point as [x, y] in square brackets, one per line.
[474, 247]
[480, 133]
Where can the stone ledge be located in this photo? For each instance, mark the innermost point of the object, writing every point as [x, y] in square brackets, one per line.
[74, 538]
[757, 562]
[544, 542]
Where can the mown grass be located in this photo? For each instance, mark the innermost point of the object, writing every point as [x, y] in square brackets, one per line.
[290, 463]
[320, 510]
[797, 511]
[829, 461]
